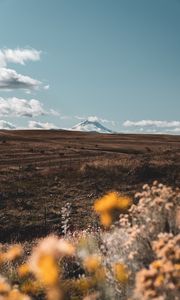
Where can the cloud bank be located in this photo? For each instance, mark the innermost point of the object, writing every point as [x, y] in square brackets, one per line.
[153, 126]
[6, 125]
[40, 125]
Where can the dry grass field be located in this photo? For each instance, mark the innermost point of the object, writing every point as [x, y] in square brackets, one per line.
[42, 171]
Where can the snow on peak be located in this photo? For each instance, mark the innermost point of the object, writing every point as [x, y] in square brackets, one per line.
[91, 126]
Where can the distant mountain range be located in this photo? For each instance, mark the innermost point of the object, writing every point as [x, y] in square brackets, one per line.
[91, 126]
[86, 126]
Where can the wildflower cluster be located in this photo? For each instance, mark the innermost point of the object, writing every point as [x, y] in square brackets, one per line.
[109, 204]
[156, 210]
[8, 292]
[130, 243]
[161, 280]
[40, 272]
[136, 258]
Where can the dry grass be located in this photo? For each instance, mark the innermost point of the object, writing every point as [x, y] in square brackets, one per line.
[108, 165]
[40, 173]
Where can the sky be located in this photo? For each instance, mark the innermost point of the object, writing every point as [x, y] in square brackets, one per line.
[114, 61]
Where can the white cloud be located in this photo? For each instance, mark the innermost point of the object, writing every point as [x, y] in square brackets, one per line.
[153, 126]
[46, 87]
[154, 123]
[6, 125]
[16, 107]
[96, 119]
[93, 119]
[10, 79]
[54, 112]
[58, 114]
[18, 56]
[40, 125]
[21, 107]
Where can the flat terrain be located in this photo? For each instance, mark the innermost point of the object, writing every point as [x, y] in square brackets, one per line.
[42, 171]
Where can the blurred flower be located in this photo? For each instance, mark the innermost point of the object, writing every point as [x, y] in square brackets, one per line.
[92, 263]
[54, 293]
[163, 275]
[159, 280]
[100, 274]
[4, 286]
[93, 296]
[2, 258]
[23, 270]
[13, 253]
[43, 261]
[15, 294]
[84, 284]
[112, 201]
[30, 287]
[109, 203]
[47, 270]
[120, 272]
[106, 219]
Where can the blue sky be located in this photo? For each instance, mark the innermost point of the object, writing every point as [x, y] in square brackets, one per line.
[118, 60]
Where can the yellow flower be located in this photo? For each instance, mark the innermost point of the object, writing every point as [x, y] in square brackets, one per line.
[106, 219]
[157, 264]
[83, 284]
[112, 201]
[31, 287]
[13, 253]
[54, 293]
[124, 203]
[159, 280]
[120, 272]
[100, 274]
[177, 267]
[65, 248]
[92, 263]
[2, 258]
[23, 270]
[15, 294]
[4, 286]
[47, 271]
[106, 203]
[109, 203]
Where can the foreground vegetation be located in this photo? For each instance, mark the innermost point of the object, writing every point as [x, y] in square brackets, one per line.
[135, 254]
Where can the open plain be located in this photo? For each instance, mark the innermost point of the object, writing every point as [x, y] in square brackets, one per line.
[41, 171]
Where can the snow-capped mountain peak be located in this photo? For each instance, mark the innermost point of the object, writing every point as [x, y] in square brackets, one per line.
[91, 126]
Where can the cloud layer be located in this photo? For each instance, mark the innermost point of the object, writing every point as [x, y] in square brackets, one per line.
[6, 125]
[40, 125]
[153, 126]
